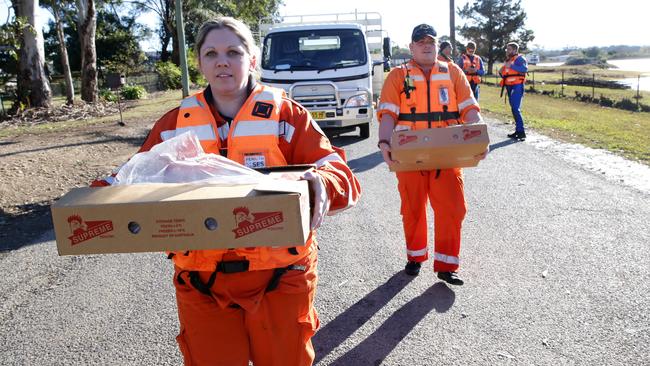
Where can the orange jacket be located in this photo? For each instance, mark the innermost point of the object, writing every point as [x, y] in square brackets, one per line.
[441, 99]
[269, 130]
[510, 76]
[475, 62]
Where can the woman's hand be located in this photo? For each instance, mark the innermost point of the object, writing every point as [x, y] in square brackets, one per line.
[319, 201]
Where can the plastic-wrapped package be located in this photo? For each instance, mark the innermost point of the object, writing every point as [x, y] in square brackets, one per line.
[181, 159]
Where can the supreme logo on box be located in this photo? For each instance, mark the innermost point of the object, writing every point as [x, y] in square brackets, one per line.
[248, 223]
[85, 230]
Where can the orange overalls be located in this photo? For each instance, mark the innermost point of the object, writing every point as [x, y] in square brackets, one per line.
[436, 100]
[253, 304]
[475, 62]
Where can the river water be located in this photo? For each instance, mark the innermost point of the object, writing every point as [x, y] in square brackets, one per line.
[640, 65]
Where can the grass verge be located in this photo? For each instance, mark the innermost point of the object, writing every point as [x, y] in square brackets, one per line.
[621, 132]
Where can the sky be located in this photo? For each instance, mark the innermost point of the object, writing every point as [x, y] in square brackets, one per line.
[557, 23]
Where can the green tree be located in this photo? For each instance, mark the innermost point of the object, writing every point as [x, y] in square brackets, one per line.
[198, 11]
[33, 84]
[117, 41]
[592, 52]
[491, 24]
[10, 47]
[56, 7]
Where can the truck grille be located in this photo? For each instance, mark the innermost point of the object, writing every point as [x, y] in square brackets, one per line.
[315, 96]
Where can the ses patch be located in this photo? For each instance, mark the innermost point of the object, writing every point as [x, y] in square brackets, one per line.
[263, 110]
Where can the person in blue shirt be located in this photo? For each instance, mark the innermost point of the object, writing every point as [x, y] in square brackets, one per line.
[472, 66]
[513, 78]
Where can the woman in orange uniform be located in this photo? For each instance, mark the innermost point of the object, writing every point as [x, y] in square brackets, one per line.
[251, 304]
[428, 93]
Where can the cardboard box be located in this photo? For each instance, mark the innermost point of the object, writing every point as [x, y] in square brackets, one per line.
[439, 148]
[159, 217]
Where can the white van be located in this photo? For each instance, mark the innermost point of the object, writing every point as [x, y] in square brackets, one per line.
[327, 66]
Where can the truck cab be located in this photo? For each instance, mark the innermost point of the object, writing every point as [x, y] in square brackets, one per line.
[327, 67]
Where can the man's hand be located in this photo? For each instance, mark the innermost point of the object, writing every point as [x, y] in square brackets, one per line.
[385, 153]
[482, 155]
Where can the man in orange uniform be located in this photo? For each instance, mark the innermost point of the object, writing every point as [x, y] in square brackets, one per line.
[427, 93]
[472, 66]
[250, 304]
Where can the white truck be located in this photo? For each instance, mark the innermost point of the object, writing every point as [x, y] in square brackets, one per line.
[329, 63]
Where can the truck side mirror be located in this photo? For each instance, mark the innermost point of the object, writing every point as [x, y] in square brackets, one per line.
[386, 47]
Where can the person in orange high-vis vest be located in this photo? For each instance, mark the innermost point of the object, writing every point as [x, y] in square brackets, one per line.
[446, 53]
[251, 304]
[472, 66]
[427, 93]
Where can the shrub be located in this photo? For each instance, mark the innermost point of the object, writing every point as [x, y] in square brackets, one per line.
[107, 95]
[193, 69]
[169, 75]
[133, 92]
[605, 102]
[626, 104]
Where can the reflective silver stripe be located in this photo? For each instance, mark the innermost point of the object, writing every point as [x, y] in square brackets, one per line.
[256, 128]
[265, 96]
[402, 128]
[203, 132]
[417, 77]
[331, 157]
[223, 131]
[286, 130]
[110, 179]
[390, 107]
[466, 103]
[438, 77]
[445, 258]
[334, 157]
[416, 253]
[191, 102]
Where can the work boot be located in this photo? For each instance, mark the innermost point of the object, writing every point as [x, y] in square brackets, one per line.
[521, 136]
[451, 278]
[518, 135]
[412, 268]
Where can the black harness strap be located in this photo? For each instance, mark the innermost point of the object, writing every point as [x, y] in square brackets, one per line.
[203, 288]
[277, 274]
[233, 267]
[433, 116]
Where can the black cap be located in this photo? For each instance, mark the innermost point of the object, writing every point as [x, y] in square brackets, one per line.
[444, 44]
[422, 31]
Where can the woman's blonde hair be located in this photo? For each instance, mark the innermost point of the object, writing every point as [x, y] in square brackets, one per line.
[236, 26]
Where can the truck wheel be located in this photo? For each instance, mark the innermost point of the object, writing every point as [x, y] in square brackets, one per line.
[364, 130]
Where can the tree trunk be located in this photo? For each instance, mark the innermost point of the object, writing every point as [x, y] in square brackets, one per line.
[87, 24]
[33, 85]
[164, 54]
[69, 86]
[176, 59]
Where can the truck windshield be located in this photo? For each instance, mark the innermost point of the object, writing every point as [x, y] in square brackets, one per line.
[320, 49]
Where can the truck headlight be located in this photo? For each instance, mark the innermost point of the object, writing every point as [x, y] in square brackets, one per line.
[360, 100]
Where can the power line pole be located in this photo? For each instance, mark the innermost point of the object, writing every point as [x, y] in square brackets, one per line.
[452, 24]
[182, 54]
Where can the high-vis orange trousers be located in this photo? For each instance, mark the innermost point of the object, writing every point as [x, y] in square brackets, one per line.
[240, 322]
[447, 198]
